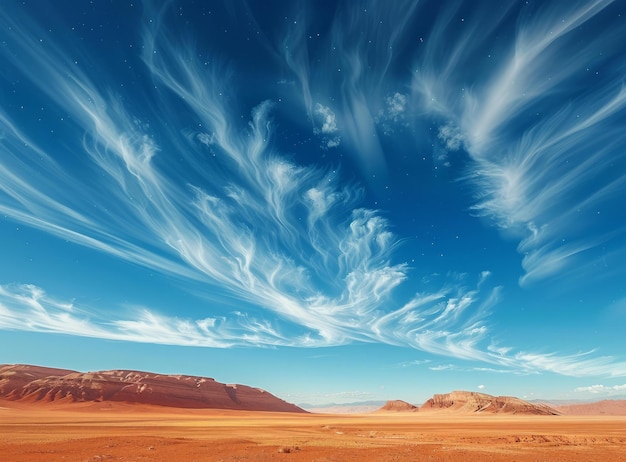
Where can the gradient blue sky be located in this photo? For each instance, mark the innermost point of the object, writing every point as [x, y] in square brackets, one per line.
[334, 201]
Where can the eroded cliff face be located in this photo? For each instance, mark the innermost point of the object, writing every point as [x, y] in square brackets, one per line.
[472, 402]
[14, 377]
[38, 384]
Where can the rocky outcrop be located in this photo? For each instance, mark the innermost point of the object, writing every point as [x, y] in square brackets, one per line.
[467, 402]
[14, 377]
[39, 384]
[399, 406]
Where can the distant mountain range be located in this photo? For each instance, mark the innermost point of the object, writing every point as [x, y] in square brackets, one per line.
[358, 407]
[34, 384]
[464, 402]
[467, 402]
[44, 385]
[604, 407]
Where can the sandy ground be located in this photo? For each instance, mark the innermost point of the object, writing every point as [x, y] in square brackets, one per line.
[105, 432]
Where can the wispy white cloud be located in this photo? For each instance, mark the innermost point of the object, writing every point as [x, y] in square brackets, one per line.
[327, 126]
[286, 239]
[29, 308]
[352, 65]
[443, 367]
[602, 389]
[396, 106]
[415, 362]
[451, 136]
[543, 170]
[393, 114]
[575, 365]
[290, 242]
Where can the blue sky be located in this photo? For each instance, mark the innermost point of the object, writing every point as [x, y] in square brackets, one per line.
[335, 201]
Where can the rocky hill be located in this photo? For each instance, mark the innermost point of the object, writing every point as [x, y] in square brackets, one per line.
[26, 383]
[467, 402]
[399, 406]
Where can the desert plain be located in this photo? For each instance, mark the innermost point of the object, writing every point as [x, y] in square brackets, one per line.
[130, 432]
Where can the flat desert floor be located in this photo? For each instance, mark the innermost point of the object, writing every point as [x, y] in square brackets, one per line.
[107, 432]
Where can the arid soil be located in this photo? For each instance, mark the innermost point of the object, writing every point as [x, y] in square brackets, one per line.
[117, 431]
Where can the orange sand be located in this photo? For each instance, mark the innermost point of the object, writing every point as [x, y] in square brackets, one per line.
[106, 431]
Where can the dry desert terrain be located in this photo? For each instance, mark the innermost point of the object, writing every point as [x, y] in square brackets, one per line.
[118, 431]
